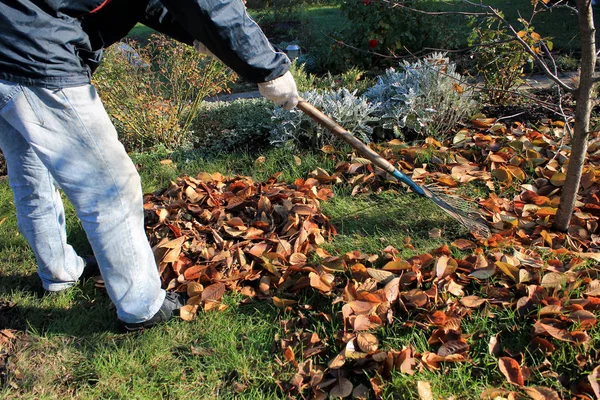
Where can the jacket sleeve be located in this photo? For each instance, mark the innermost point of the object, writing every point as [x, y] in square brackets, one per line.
[161, 20]
[228, 32]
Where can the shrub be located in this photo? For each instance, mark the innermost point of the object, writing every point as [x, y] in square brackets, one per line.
[499, 60]
[152, 93]
[240, 124]
[426, 97]
[295, 129]
[353, 79]
[377, 26]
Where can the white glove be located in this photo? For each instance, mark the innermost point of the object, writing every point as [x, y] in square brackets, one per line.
[202, 49]
[282, 91]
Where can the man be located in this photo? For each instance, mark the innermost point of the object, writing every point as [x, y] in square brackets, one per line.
[54, 129]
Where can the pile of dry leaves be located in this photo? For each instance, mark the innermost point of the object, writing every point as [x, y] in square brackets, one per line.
[213, 234]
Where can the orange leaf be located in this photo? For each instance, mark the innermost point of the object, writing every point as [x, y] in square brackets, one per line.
[464, 244]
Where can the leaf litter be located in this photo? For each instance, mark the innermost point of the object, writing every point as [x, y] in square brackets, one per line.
[213, 234]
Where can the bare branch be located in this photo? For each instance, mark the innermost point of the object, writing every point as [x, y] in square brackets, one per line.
[415, 54]
[465, 13]
[492, 12]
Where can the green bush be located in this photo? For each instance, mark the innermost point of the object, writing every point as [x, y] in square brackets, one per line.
[353, 79]
[240, 124]
[377, 26]
[152, 93]
[499, 60]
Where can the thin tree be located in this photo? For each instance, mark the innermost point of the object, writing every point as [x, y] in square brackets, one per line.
[583, 93]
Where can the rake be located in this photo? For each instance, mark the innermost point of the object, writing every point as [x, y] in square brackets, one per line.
[461, 210]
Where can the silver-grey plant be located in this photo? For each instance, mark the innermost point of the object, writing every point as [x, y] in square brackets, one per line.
[355, 114]
[427, 96]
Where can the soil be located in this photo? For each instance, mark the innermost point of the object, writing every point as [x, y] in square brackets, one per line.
[530, 111]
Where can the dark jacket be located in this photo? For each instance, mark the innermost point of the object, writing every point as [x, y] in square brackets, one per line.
[53, 43]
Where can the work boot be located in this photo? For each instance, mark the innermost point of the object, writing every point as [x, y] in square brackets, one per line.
[90, 269]
[173, 302]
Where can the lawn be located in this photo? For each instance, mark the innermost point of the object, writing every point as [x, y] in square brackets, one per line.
[69, 346]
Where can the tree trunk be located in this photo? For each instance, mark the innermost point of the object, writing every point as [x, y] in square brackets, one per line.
[583, 110]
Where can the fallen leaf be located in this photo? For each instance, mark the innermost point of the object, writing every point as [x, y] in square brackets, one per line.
[367, 342]
[424, 390]
[342, 388]
[213, 292]
[511, 369]
[541, 393]
[594, 379]
[188, 312]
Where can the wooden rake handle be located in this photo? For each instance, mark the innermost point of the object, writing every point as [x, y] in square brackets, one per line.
[359, 146]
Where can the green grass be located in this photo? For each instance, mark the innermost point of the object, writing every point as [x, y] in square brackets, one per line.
[70, 347]
[141, 33]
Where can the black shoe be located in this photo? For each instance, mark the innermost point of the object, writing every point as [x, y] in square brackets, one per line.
[90, 269]
[173, 302]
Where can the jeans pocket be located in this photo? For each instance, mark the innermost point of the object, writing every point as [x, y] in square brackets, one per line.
[33, 101]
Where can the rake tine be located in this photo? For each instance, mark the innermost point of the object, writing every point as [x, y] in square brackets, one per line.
[462, 211]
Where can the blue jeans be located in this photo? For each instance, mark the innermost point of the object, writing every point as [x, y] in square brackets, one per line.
[65, 138]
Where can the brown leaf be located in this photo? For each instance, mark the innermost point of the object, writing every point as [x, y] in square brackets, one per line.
[188, 312]
[317, 283]
[496, 394]
[511, 369]
[283, 303]
[338, 361]
[494, 346]
[472, 301]
[445, 266]
[541, 393]
[416, 297]
[585, 319]
[424, 390]
[342, 388]
[562, 334]
[483, 273]
[367, 342]
[392, 290]
[464, 244]
[553, 280]
[194, 289]
[405, 361]
[438, 318]
[213, 292]
[288, 353]
[510, 270]
[298, 259]
[397, 266]
[594, 379]
[380, 275]
[539, 343]
[361, 392]
[452, 347]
